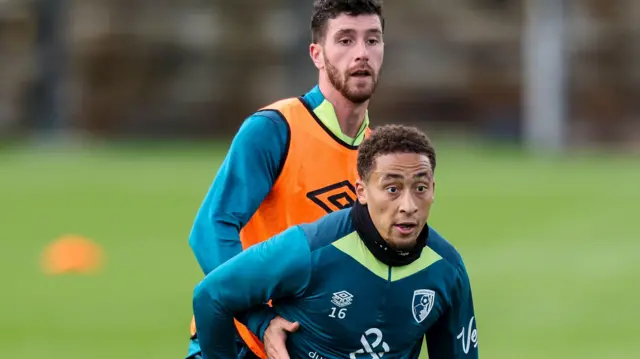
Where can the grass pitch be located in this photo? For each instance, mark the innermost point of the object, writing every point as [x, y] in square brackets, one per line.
[552, 248]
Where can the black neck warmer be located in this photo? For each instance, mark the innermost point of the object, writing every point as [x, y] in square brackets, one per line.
[378, 246]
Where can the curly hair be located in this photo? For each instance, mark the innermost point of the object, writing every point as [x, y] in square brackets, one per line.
[390, 139]
[323, 10]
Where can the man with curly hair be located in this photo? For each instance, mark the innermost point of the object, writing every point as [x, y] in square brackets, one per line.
[372, 280]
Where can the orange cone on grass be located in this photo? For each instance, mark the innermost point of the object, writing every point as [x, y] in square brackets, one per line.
[72, 254]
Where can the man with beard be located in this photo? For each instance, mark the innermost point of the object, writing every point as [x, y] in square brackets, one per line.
[368, 281]
[295, 160]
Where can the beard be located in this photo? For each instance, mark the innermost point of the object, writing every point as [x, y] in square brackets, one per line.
[355, 93]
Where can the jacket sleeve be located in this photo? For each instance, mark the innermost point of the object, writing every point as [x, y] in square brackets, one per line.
[455, 335]
[244, 179]
[277, 268]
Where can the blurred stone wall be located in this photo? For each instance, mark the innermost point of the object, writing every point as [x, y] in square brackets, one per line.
[17, 70]
[198, 68]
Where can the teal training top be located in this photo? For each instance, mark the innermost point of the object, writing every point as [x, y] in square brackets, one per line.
[348, 303]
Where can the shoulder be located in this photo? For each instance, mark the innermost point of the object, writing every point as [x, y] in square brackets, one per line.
[446, 250]
[264, 123]
[287, 245]
[263, 139]
[328, 229]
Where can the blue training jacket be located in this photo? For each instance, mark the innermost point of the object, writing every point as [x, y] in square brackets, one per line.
[348, 303]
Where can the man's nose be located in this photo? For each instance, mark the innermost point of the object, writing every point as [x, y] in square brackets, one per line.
[408, 204]
[362, 51]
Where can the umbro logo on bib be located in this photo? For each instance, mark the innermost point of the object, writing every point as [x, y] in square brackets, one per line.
[334, 197]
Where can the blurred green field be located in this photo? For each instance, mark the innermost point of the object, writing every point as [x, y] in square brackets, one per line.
[552, 248]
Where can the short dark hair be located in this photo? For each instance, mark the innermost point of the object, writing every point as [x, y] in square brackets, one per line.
[390, 139]
[323, 10]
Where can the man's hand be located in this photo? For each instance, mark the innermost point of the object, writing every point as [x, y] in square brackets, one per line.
[275, 337]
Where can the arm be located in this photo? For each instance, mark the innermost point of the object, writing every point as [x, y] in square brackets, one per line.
[455, 336]
[243, 181]
[277, 268]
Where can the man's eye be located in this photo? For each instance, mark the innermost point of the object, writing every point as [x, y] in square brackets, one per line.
[345, 41]
[392, 189]
[373, 41]
[421, 188]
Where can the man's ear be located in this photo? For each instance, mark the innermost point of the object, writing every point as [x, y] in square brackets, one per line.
[433, 197]
[317, 55]
[361, 193]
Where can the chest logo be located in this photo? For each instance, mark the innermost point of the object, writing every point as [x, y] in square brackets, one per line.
[342, 298]
[375, 349]
[334, 197]
[422, 304]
